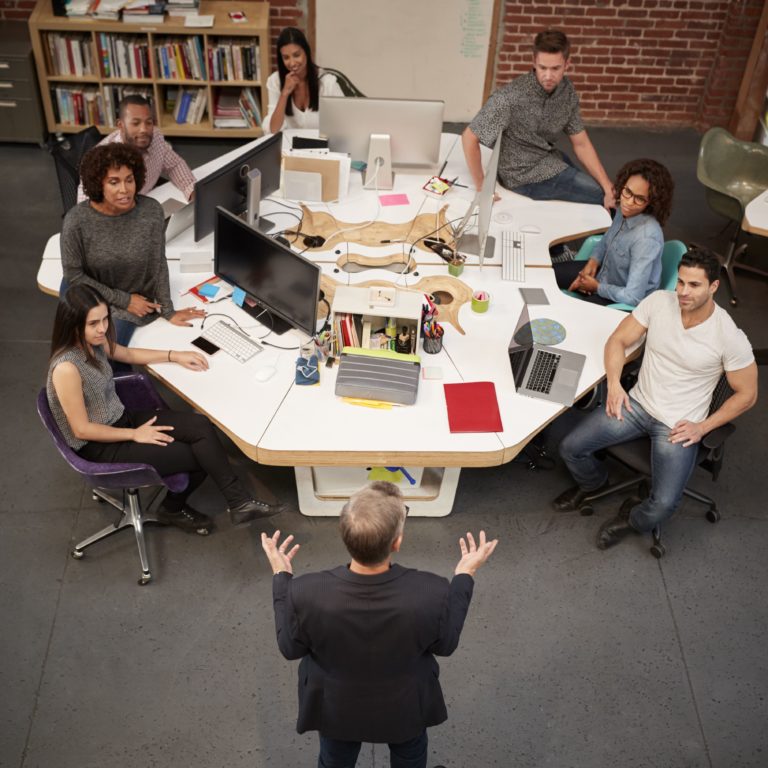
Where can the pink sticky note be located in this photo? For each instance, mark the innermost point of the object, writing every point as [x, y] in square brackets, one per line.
[394, 199]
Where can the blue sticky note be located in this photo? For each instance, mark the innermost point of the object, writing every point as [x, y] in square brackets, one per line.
[238, 296]
[209, 290]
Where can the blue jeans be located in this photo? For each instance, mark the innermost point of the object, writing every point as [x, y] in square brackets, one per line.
[671, 464]
[343, 754]
[570, 184]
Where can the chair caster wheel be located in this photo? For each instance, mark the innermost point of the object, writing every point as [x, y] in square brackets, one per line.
[658, 551]
[586, 510]
[145, 579]
[78, 554]
[202, 531]
[713, 514]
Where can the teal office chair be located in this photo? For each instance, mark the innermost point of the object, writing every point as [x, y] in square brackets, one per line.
[733, 173]
[670, 259]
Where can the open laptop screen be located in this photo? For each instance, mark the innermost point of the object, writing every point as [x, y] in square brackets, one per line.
[521, 347]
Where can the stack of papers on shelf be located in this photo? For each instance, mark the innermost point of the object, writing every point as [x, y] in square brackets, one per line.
[109, 9]
[182, 7]
[79, 7]
[226, 111]
[143, 11]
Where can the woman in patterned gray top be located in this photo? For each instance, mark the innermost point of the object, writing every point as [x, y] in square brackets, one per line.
[84, 403]
[115, 242]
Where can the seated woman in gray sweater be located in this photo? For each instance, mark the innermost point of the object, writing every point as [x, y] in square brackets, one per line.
[115, 242]
[95, 423]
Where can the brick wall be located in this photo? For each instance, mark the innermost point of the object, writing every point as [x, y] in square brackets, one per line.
[642, 62]
[648, 62]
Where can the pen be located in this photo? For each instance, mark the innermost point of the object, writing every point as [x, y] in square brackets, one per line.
[442, 168]
[454, 184]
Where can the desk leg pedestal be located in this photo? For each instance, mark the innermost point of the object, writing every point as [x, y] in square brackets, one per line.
[323, 491]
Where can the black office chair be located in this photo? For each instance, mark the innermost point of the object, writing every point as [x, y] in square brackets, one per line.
[348, 88]
[66, 157]
[636, 456]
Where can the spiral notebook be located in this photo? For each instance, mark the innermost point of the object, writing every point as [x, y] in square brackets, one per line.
[473, 407]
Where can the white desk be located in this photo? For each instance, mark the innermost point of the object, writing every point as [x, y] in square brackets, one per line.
[332, 443]
[756, 215]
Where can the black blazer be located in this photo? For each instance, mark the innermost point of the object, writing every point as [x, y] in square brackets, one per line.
[367, 642]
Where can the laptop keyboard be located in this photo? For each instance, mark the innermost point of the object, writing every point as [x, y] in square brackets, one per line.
[543, 372]
[512, 256]
[232, 341]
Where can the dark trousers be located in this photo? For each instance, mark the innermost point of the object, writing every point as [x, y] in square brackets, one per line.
[195, 449]
[567, 271]
[335, 753]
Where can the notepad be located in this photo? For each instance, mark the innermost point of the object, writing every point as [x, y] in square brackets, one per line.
[472, 407]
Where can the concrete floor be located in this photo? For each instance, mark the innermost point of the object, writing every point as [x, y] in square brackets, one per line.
[571, 657]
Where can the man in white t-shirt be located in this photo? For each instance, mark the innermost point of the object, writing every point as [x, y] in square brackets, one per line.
[689, 343]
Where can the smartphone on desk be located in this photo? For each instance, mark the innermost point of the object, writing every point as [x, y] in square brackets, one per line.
[206, 346]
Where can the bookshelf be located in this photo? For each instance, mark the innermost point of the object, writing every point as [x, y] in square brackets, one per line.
[85, 66]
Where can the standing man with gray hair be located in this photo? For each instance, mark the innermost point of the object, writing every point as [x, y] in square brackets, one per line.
[367, 633]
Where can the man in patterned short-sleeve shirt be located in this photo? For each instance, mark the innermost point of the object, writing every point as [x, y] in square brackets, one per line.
[531, 111]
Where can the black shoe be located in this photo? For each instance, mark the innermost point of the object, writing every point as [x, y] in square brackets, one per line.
[251, 510]
[188, 519]
[618, 528]
[571, 500]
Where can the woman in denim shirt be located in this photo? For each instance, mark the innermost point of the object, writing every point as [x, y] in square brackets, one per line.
[625, 266]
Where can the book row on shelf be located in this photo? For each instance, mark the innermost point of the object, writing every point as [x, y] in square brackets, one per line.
[234, 60]
[69, 55]
[127, 56]
[367, 332]
[181, 59]
[186, 104]
[93, 105]
[123, 56]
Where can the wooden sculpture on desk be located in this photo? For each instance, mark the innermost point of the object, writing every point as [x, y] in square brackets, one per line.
[451, 294]
[372, 235]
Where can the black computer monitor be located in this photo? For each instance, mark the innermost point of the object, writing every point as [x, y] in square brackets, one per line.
[274, 278]
[228, 186]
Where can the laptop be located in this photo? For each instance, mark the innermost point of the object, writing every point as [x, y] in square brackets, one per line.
[543, 372]
[180, 220]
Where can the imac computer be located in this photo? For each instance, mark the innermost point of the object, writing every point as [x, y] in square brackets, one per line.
[238, 185]
[275, 279]
[481, 244]
[388, 134]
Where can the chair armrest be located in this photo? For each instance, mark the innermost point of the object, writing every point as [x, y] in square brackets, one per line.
[136, 392]
[714, 439]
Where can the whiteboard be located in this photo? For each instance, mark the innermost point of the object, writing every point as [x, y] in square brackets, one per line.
[413, 49]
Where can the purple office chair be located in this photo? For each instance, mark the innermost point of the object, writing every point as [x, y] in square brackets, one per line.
[136, 392]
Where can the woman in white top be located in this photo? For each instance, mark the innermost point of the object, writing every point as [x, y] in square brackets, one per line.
[295, 89]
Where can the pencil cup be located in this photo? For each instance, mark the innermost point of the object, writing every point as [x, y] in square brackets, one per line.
[432, 345]
[480, 301]
[455, 268]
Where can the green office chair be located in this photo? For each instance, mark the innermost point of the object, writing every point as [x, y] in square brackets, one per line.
[733, 173]
[348, 88]
[670, 259]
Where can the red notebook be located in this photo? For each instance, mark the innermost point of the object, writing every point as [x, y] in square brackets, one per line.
[472, 407]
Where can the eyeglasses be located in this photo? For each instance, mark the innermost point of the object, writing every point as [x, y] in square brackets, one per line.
[628, 194]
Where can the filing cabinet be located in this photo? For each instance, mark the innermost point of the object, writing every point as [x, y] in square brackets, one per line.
[21, 113]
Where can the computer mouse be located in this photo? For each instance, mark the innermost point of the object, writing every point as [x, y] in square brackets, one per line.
[265, 373]
[530, 229]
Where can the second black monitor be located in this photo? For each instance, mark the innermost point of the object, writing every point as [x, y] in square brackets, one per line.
[228, 186]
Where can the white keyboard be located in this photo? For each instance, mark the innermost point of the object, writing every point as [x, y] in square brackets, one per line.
[232, 341]
[512, 256]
